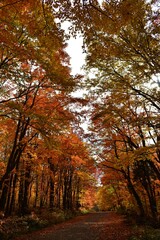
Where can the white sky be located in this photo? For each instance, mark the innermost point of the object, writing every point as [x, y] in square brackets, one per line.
[77, 60]
[75, 51]
[76, 54]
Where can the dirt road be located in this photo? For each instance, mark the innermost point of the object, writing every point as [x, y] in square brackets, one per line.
[93, 226]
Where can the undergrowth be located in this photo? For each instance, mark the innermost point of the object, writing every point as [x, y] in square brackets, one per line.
[13, 226]
[148, 234]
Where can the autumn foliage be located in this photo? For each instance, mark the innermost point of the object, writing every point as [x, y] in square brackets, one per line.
[121, 40]
[44, 161]
[44, 164]
[123, 51]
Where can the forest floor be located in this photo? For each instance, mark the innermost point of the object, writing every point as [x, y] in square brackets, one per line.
[93, 226]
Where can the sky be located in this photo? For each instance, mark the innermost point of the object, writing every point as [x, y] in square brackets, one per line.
[75, 51]
[77, 60]
[77, 57]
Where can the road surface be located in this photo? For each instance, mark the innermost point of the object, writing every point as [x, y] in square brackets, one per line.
[93, 226]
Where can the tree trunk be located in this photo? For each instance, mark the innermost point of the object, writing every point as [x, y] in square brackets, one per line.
[13, 160]
[11, 195]
[51, 197]
[134, 193]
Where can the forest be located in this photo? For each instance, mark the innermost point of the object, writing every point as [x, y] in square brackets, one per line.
[47, 160]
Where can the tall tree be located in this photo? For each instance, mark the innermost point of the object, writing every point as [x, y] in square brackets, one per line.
[34, 76]
[122, 47]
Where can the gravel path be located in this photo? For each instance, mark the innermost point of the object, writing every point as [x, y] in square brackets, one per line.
[93, 226]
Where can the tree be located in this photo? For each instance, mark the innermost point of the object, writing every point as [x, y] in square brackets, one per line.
[34, 74]
[121, 40]
[127, 145]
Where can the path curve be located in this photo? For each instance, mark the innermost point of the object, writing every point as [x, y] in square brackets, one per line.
[93, 226]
